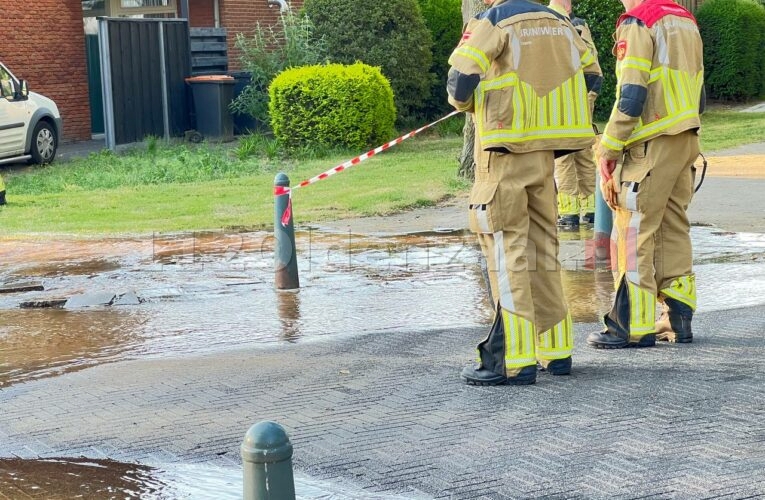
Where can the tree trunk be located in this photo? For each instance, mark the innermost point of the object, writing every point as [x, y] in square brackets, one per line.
[467, 157]
[470, 9]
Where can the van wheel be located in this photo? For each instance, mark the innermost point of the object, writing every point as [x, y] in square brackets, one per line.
[44, 143]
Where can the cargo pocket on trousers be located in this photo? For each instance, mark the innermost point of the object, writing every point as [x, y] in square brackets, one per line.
[483, 213]
[635, 176]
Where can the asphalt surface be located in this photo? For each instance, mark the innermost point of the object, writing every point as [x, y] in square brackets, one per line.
[389, 412]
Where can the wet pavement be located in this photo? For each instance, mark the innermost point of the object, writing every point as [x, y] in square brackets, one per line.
[104, 479]
[158, 393]
[200, 293]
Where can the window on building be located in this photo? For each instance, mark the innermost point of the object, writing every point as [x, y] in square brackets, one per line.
[93, 8]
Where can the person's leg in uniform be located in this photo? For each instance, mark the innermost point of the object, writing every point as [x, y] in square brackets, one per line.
[499, 215]
[673, 255]
[567, 196]
[2, 191]
[554, 341]
[585, 173]
[585, 180]
[648, 177]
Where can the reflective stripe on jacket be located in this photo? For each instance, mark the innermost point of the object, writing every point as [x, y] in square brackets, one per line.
[535, 72]
[660, 79]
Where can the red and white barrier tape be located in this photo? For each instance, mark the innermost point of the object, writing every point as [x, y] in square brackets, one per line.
[282, 190]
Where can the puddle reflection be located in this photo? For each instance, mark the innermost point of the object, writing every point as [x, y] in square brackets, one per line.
[289, 314]
[41, 342]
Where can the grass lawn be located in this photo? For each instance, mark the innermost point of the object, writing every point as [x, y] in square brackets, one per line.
[69, 197]
[177, 188]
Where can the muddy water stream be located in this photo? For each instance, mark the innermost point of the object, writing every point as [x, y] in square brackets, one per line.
[209, 291]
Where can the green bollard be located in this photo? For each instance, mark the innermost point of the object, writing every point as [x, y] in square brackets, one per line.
[267, 462]
[603, 225]
[285, 255]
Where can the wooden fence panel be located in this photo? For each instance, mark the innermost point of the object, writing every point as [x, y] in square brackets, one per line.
[209, 51]
[147, 94]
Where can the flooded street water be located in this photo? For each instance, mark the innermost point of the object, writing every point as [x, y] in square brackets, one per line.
[188, 294]
[209, 291]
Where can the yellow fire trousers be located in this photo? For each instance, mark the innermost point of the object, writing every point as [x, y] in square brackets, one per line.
[512, 210]
[575, 179]
[651, 233]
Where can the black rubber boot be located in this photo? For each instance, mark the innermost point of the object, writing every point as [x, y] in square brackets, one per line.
[617, 321]
[606, 340]
[527, 376]
[675, 324]
[557, 366]
[475, 375]
[491, 351]
[568, 222]
[491, 369]
[2, 197]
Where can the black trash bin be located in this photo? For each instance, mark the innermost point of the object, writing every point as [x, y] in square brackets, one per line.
[212, 94]
[243, 123]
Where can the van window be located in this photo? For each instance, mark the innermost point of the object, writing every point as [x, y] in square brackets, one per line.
[6, 83]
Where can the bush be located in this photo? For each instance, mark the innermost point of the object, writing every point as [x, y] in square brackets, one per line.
[444, 20]
[733, 32]
[390, 35]
[332, 106]
[270, 50]
[601, 16]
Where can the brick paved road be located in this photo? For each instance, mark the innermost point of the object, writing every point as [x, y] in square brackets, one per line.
[388, 412]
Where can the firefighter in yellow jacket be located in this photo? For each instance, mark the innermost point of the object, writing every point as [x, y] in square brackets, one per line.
[575, 173]
[525, 73]
[654, 127]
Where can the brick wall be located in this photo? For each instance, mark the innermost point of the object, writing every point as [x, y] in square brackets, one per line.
[201, 14]
[241, 16]
[44, 43]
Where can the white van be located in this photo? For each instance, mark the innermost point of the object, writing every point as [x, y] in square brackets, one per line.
[30, 124]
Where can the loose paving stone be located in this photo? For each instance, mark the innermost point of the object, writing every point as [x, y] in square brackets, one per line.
[43, 303]
[126, 299]
[22, 286]
[90, 299]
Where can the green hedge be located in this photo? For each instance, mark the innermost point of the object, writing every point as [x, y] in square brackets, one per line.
[331, 105]
[733, 32]
[601, 16]
[444, 20]
[390, 34]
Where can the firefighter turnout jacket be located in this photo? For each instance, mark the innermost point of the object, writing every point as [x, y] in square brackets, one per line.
[660, 76]
[527, 94]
